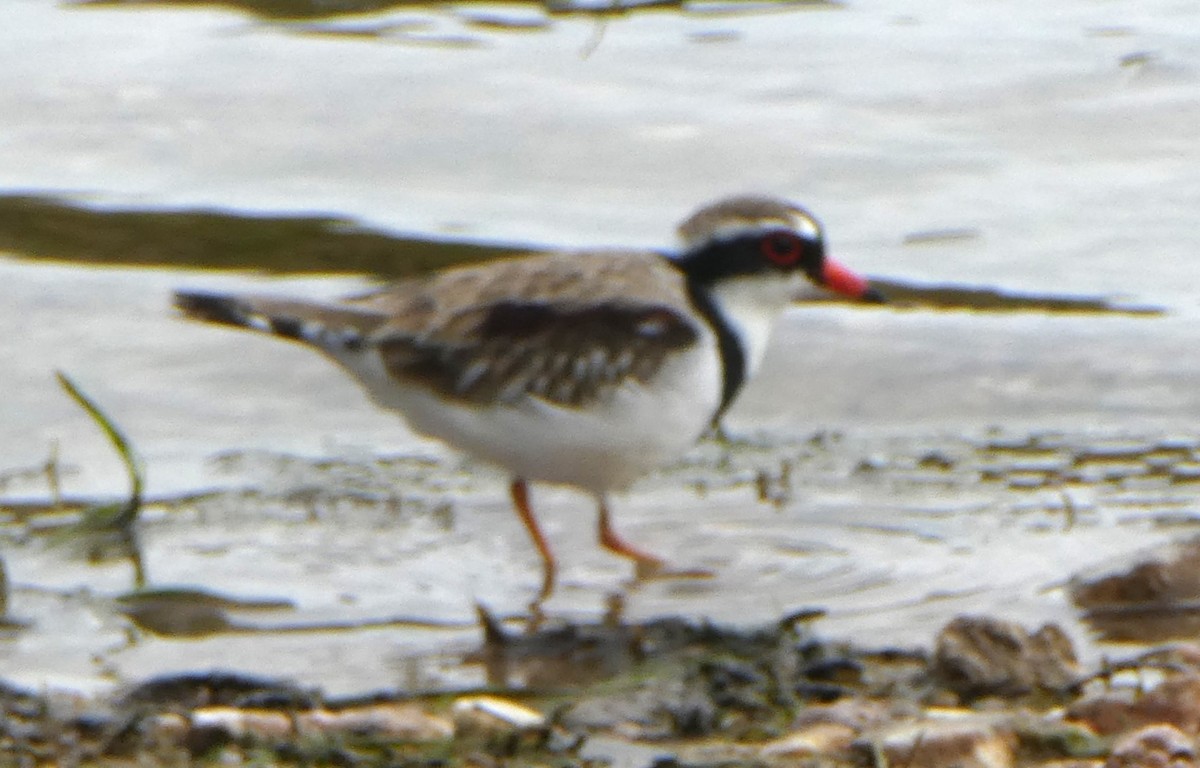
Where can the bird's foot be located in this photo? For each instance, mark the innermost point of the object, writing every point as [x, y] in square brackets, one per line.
[656, 569]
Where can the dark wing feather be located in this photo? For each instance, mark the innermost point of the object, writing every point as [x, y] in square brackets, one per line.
[567, 328]
[564, 353]
[301, 320]
[564, 327]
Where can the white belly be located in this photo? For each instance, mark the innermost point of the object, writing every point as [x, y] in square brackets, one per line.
[602, 447]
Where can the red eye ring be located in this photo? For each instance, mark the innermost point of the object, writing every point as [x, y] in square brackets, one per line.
[782, 249]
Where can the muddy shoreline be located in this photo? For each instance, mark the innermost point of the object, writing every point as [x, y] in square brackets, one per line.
[990, 693]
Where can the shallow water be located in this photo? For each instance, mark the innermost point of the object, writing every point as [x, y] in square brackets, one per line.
[1056, 144]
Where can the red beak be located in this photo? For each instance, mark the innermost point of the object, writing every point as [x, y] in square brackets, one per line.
[842, 281]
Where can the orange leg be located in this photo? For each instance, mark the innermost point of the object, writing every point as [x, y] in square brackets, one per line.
[519, 490]
[645, 564]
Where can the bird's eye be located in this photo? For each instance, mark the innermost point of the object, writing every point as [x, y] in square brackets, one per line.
[783, 249]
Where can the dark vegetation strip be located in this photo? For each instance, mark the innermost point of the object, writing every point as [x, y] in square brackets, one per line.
[985, 299]
[312, 9]
[53, 229]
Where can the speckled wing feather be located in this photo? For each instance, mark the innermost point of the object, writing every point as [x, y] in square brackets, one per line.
[565, 328]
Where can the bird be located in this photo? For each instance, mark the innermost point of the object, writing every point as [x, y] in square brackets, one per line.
[585, 368]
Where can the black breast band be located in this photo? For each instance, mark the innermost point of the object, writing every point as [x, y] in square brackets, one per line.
[733, 354]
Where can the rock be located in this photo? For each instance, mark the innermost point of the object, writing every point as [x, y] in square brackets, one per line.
[1057, 738]
[404, 722]
[856, 713]
[236, 723]
[932, 744]
[816, 740]
[215, 725]
[1175, 702]
[167, 728]
[1152, 601]
[981, 656]
[494, 720]
[1155, 746]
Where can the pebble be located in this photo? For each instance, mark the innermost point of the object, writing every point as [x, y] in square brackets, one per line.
[1155, 746]
[264, 724]
[982, 656]
[1175, 702]
[406, 722]
[491, 717]
[948, 744]
[816, 740]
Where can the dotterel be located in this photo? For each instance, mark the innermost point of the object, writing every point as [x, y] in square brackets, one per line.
[586, 369]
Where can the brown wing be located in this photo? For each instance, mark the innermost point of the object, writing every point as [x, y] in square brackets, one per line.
[565, 328]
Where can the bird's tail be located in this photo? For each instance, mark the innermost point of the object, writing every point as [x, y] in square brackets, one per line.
[322, 325]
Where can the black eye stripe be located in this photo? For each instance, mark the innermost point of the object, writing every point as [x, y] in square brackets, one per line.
[754, 253]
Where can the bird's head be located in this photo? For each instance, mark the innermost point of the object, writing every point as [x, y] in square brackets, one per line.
[754, 241]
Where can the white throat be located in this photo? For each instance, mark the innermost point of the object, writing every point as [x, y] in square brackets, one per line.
[752, 305]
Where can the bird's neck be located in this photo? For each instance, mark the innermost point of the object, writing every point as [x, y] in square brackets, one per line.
[751, 306]
[729, 345]
[741, 309]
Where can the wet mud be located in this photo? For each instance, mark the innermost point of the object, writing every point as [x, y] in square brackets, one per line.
[933, 491]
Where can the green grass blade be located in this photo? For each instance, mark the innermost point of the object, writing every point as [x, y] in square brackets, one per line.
[115, 436]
